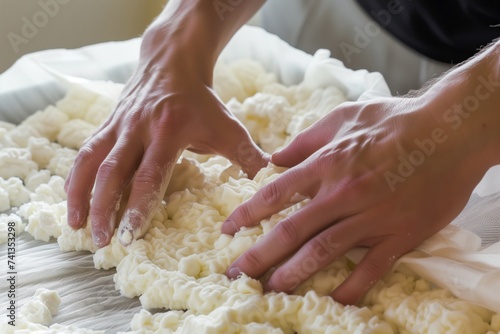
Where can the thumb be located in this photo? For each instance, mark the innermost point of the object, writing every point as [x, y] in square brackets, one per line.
[237, 145]
[302, 146]
[250, 157]
[315, 136]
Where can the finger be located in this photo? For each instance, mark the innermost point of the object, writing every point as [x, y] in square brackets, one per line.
[148, 188]
[68, 180]
[113, 175]
[284, 239]
[316, 254]
[236, 144]
[270, 199]
[98, 133]
[303, 145]
[83, 175]
[249, 156]
[316, 136]
[376, 263]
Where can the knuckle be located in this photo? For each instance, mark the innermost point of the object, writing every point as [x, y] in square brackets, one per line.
[252, 259]
[85, 155]
[328, 158]
[134, 118]
[271, 194]
[147, 176]
[244, 215]
[286, 232]
[109, 167]
[356, 186]
[316, 249]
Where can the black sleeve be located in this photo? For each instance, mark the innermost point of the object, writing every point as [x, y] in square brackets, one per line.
[449, 31]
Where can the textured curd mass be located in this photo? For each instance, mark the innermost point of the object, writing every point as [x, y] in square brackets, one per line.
[180, 263]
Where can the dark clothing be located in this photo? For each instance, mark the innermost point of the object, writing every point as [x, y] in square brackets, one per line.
[449, 31]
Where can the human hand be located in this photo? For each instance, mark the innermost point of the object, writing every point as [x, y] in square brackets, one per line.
[166, 107]
[161, 112]
[385, 175]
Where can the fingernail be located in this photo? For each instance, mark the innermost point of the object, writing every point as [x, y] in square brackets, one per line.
[126, 232]
[126, 236]
[229, 227]
[74, 219]
[233, 272]
[100, 238]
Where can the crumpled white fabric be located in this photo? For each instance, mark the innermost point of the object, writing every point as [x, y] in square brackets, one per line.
[454, 259]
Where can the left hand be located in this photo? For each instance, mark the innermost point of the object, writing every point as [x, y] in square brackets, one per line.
[350, 164]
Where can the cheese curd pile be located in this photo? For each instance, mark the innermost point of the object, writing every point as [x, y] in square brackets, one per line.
[179, 265]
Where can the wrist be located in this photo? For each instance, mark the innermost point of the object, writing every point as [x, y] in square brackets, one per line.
[193, 33]
[178, 46]
[465, 103]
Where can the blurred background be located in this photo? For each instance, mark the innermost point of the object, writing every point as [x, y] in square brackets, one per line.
[33, 25]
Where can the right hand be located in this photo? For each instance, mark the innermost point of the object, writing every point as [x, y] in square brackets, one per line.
[162, 111]
[383, 174]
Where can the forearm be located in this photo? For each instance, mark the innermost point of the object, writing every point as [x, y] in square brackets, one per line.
[195, 31]
[466, 101]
